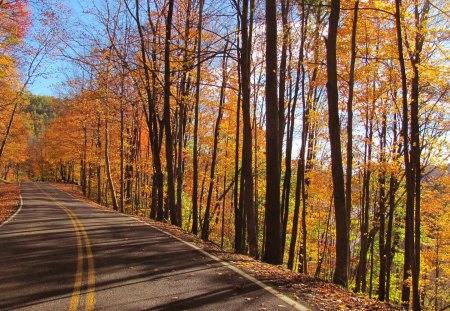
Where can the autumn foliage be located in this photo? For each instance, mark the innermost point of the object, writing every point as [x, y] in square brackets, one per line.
[143, 102]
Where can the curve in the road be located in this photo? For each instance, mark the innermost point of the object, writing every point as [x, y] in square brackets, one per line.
[48, 251]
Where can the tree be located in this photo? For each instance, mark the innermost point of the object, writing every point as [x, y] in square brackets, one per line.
[342, 239]
[273, 246]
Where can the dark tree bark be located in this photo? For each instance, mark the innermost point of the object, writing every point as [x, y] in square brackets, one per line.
[273, 243]
[108, 167]
[408, 265]
[205, 228]
[342, 242]
[420, 16]
[183, 107]
[122, 179]
[285, 7]
[99, 146]
[238, 209]
[382, 211]
[197, 102]
[361, 274]
[83, 163]
[246, 189]
[151, 118]
[107, 161]
[351, 84]
[393, 187]
[285, 193]
[167, 123]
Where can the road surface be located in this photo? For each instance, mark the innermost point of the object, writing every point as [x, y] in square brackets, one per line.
[59, 253]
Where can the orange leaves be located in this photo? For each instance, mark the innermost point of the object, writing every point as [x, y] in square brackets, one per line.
[9, 200]
[14, 20]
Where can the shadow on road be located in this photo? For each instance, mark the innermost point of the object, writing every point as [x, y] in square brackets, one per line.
[136, 266]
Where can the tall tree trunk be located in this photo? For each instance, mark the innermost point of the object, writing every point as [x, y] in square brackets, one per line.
[290, 135]
[167, 124]
[408, 264]
[382, 210]
[393, 186]
[122, 181]
[99, 146]
[151, 116]
[361, 274]
[182, 115]
[282, 85]
[420, 17]
[205, 229]
[273, 244]
[351, 84]
[197, 102]
[247, 174]
[238, 209]
[84, 162]
[108, 167]
[342, 242]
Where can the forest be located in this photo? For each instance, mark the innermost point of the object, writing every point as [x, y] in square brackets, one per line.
[312, 134]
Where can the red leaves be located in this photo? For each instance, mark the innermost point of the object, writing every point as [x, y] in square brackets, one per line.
[14, 20]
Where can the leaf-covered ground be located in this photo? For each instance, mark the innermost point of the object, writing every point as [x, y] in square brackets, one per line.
[316, 294]
[9, 200]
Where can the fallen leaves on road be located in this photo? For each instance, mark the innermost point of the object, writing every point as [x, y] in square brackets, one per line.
[316, 294]
[9, 200]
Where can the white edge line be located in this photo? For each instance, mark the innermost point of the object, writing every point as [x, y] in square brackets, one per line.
[230, 266]
[17, 212]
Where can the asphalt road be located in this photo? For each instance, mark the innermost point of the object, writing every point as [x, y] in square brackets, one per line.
[59, 253]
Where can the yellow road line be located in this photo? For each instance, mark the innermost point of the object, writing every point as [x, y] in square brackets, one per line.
[76, 293]
[81, 237]
[90, 296]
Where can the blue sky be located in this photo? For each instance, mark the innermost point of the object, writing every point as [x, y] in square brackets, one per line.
[56, 68]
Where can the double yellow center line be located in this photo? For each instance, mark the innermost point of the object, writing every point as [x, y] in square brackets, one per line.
[82, 238]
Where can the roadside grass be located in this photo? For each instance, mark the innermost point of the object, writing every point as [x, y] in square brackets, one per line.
[9, 200]
[317, 294]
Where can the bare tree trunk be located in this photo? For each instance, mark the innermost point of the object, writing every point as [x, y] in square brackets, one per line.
[99, 180]
[393, 186]
[247, 174]
[8, 128]
[382, 211]
[325, 245]
[420, 16]
[205, 229]
[351, 84]
[361, 275]
[167, 124]
[408, 266]
[285, 4]
[197, 102]
[84, 162]
[342, 242]
[122, 192]
[273, 244]
[151, 117]
[238, 209]
[108, 167]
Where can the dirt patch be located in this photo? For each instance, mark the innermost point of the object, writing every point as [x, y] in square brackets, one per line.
[9, 200]
[316, 294]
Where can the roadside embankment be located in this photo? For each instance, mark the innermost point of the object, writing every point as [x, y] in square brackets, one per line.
[9, 200]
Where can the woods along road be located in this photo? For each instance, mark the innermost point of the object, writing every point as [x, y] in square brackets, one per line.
[58, 253]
